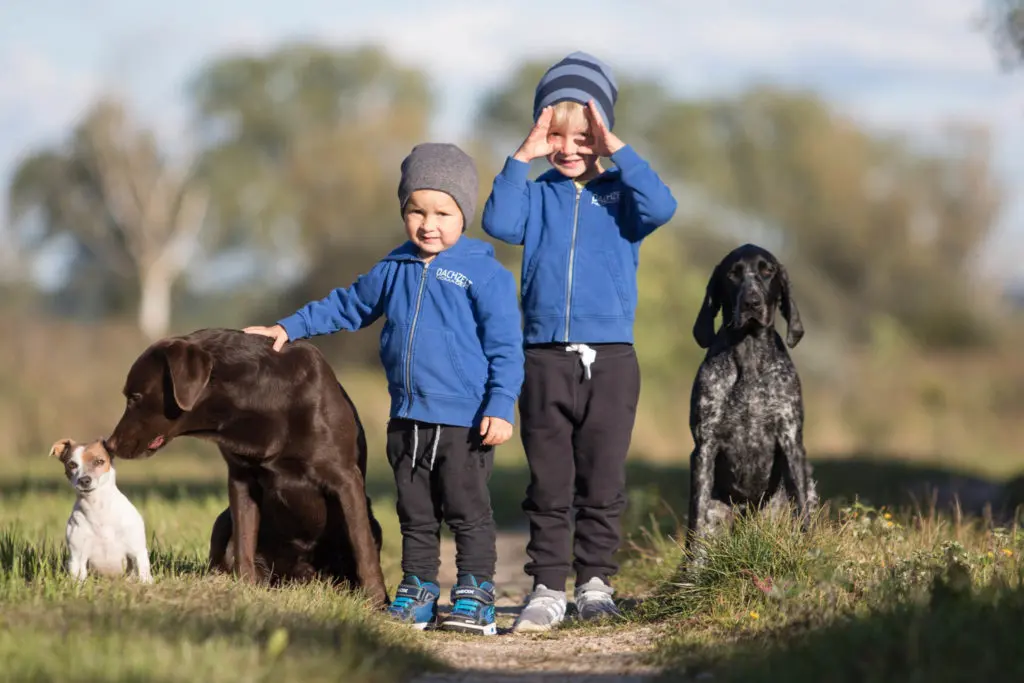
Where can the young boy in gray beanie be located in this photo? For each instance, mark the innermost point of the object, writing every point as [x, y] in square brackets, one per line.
[452, 352]
[581, 227]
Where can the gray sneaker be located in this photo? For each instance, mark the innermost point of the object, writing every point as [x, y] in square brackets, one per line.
[544, 609]
[594, 600]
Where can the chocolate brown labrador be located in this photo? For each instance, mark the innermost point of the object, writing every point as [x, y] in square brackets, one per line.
[294, 447]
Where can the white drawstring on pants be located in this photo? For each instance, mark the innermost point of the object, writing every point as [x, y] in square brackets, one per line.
[416, 444]
[587, 356]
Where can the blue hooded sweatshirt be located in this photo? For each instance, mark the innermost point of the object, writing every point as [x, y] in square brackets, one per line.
[451, 346]
[581, 245]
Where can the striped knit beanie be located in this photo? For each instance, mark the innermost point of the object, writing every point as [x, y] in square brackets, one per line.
[579, 77]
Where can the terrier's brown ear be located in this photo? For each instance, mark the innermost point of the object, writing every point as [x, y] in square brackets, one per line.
[60, 448]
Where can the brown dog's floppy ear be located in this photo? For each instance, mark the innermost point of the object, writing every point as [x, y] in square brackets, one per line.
[106, 449]
[704, 326]
[190, 368]
[59, 448]
[787, 304]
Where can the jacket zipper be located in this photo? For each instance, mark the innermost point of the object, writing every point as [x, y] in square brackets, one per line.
[412, 330]
[572, 259]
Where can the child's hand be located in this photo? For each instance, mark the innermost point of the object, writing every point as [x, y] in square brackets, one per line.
[495, 431]
[277, 333]
[606, 143]
[536, 144]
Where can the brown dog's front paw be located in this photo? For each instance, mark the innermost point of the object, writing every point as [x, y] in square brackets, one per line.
[379, 598]
[247, 573]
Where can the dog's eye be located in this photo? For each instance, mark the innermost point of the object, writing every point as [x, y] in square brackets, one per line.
[99, 463]
[72, 465]
[134, 398]
[765, 269]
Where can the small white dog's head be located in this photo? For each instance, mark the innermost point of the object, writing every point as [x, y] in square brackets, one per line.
[87, 466]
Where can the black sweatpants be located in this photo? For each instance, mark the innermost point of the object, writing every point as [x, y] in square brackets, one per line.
[576, 433]
[448, 481]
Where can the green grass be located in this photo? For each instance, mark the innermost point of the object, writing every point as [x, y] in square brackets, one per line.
[866, 595]
[187, 626]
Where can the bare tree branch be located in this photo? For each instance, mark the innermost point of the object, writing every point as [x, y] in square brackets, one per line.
[187, 222]
[157, 211]
[94, 232]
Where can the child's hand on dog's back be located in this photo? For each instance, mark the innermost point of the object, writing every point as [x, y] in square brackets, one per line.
[277, 333]
[537, 144]
[495, 431]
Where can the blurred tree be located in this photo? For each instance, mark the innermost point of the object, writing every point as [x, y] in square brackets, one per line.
[307, 140]
[892, 226]
[123, 205]
[303, 149]
[1004, 20]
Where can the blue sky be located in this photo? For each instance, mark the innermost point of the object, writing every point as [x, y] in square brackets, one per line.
[906, 64]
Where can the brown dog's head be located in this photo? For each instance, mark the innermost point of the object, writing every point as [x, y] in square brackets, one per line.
[747, 286]
[163, 386]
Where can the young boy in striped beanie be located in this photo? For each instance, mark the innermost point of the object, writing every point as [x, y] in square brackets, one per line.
[581, 227]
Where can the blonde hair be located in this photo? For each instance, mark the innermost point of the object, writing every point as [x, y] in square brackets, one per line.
[569, 114]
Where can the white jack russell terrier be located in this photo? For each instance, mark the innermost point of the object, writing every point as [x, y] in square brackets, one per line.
[105, 532]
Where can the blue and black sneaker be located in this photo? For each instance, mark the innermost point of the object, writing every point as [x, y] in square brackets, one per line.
[472, 608]
[415, 602]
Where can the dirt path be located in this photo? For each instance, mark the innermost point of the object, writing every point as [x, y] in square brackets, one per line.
[592, 655]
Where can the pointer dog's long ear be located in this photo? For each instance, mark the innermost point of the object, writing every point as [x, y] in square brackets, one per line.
[787, 305]
[704, 326]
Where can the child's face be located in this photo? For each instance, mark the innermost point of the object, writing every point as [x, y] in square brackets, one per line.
[433, 221]
[573, 144]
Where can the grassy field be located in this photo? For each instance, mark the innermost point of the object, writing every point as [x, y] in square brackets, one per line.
[866, 595]
[870, 594]
[188, 626]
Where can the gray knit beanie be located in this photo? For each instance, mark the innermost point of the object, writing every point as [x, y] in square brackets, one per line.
[580, 77]
[444, 167]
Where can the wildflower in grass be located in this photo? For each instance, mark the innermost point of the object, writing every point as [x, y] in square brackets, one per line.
[754, 615]
[1007, 552]
[888, 515]
[990, 553]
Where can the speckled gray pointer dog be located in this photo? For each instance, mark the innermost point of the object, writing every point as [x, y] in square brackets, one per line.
[746, 407]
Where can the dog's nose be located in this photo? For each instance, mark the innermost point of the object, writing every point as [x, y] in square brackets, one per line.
[85, 481]
[752, 297]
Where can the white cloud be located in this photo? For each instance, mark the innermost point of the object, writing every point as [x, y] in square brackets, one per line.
[902, 35]
[36, 98]
[38, 103]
